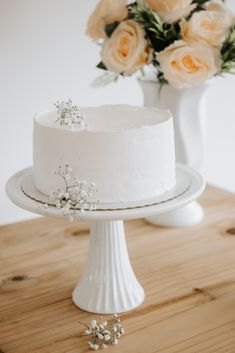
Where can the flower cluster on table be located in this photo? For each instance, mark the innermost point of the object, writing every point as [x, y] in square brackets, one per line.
[102, 334]
[185, 41]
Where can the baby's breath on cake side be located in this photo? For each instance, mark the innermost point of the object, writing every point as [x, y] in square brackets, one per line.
[76, 195]
[69, 114]
[102, 334]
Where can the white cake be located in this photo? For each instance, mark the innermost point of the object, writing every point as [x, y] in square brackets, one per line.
[127, 151]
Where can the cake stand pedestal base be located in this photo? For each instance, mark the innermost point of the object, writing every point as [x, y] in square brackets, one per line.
[108, 284]
[186, 216]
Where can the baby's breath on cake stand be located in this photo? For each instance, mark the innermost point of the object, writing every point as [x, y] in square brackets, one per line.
[69, 115]
[75, 197]
[102, 334]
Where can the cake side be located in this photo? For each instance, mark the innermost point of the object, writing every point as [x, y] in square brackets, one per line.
[126, 164]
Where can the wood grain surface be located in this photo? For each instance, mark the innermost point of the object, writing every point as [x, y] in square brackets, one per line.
[188, 275]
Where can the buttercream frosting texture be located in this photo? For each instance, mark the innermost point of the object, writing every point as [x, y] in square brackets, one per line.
[128, 152]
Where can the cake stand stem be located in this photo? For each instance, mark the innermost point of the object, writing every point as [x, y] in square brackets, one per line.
[108, 284]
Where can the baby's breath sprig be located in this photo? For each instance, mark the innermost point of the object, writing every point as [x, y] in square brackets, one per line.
[69, 114]
[102, 334]
[75, 196]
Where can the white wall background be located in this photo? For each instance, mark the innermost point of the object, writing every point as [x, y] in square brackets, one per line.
[45, 56]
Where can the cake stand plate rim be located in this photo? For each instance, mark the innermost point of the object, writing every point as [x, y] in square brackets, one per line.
[192, 191]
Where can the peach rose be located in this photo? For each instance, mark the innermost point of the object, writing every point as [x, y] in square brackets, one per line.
[126, 50]
[210, 26]
[186, 64]
[171, 10]
[106, 12]
[215, 5]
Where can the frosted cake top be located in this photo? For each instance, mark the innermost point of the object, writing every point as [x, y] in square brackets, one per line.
[109, 118]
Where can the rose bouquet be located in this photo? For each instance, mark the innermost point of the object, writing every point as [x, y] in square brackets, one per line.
[185, 41]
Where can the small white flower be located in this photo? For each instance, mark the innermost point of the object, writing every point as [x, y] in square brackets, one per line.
[93, 324]
[107, 337]
[115, 329]
[73, 197]
[100, 336]
[83, 193]
[115, 341]
[105, 323]
[122, 331]
[87, 332]
[101, 326]
[66, 209]
[57, 204]
[95, 347]
[82, 211]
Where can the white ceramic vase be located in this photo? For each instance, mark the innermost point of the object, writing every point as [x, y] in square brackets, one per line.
[189, 109]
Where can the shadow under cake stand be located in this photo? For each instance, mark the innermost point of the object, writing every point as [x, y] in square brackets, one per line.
[108, 284]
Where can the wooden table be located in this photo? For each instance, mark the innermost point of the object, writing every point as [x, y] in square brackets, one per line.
[188, 275]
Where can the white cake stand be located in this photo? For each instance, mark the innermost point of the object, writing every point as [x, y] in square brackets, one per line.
[108, 284]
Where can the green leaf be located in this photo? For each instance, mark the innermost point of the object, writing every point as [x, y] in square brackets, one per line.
[110, 28]
[159, 75]
[160, 34]
[228, 52]
[102, 66]
[200, 2]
